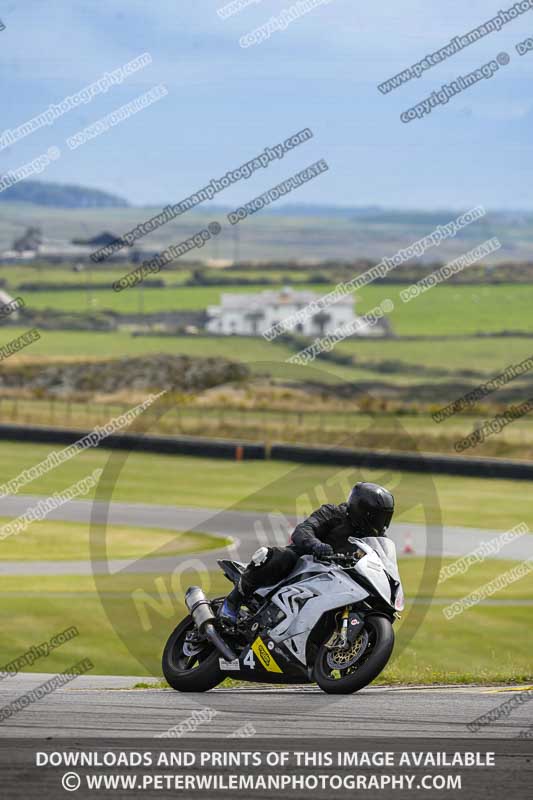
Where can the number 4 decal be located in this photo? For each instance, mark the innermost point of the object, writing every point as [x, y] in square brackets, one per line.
[249, 660]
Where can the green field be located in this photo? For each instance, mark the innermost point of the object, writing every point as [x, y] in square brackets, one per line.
[444, 310]
[456, 310]
[183, 298]
[76, 344]
[16, 275]
[484, 356]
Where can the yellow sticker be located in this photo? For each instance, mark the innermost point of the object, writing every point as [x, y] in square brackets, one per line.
[265, 657]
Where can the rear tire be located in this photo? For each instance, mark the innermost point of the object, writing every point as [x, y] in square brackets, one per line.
[194, 674]
[381, 643]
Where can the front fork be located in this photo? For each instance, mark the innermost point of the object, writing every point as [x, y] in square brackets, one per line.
[339, 637]
[344, 627]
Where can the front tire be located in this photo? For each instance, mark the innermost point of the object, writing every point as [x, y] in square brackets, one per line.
[197, 673]
[369, 665]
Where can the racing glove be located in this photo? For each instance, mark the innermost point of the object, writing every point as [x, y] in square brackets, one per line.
[320, 549]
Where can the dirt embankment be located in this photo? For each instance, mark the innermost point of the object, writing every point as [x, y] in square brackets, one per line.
[109, 376]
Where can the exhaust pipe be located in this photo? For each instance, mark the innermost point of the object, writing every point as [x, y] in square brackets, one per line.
[203, 617]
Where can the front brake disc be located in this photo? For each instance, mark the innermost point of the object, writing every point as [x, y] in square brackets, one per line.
[344, 657]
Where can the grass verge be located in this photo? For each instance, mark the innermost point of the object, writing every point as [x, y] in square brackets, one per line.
[69, 541]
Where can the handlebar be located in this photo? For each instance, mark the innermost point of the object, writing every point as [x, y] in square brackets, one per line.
[337, 558]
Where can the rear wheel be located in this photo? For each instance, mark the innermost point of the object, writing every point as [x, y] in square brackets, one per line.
[190, 664]
[343, 671]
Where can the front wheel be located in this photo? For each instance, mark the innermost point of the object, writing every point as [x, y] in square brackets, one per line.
[190, 664]
[343, 671]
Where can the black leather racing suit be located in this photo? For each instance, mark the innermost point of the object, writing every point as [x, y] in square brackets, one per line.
[329, 524]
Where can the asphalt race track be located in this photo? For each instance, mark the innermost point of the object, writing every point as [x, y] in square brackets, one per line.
[91, 706]
[236, 524]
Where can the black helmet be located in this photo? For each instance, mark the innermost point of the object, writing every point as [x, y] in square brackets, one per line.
[370, 508]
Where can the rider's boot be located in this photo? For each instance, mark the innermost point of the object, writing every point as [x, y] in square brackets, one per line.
[229, 612]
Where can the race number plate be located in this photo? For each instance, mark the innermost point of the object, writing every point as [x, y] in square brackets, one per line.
[228, 665]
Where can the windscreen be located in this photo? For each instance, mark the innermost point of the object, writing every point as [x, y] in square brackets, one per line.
[386, 550]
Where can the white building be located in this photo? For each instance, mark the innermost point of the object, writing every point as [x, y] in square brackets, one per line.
[253, 314]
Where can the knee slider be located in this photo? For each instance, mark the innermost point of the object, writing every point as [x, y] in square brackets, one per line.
[261, 556]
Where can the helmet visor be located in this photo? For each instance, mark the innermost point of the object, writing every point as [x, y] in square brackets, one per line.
[379, 519]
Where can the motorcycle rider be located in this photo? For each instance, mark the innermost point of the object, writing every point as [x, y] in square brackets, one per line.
[367, 512]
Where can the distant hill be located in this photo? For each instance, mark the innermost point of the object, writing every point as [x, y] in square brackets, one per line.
[318, 210]
[60, 195]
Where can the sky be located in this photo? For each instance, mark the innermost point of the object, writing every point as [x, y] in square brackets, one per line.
[226, 103]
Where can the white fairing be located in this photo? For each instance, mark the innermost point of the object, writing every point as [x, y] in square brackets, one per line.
[313, 588]
[380, 561]
[304, 602]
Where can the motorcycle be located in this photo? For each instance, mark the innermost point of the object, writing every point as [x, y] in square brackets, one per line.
[329, 621]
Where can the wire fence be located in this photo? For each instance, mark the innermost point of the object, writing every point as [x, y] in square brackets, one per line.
[180, 417]
[349, 428]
